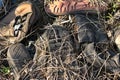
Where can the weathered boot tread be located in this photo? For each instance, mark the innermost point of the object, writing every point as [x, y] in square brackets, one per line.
[18, 57]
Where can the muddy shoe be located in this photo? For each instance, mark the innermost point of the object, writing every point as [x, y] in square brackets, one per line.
[15, 25]
[90, 29]
[100, 56]
[62, 7]
[18, 57]
[54, 39]
[53, 47]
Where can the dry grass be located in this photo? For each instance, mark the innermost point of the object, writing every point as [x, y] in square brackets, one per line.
[65, 63]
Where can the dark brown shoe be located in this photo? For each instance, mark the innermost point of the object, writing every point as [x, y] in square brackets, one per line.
[54, 38]
[54, 46]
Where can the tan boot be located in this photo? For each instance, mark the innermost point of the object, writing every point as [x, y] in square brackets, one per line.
[15, 25]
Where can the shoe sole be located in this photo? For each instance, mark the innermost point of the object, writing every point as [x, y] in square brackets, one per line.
[62, 7]
[17, 56]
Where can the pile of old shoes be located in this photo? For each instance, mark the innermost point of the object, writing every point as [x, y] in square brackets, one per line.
[94, 43]
[15, 25]
[56, 56]
[92, 38]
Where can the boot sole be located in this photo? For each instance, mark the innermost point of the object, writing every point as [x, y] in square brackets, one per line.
[62, 7]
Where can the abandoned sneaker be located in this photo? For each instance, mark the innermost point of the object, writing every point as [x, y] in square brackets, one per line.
[15, 25]
[62, 7]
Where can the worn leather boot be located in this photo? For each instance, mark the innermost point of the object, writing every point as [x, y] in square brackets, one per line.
[16, 24]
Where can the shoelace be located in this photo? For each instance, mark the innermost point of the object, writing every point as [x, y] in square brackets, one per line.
[17, 25]
[19, 20]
